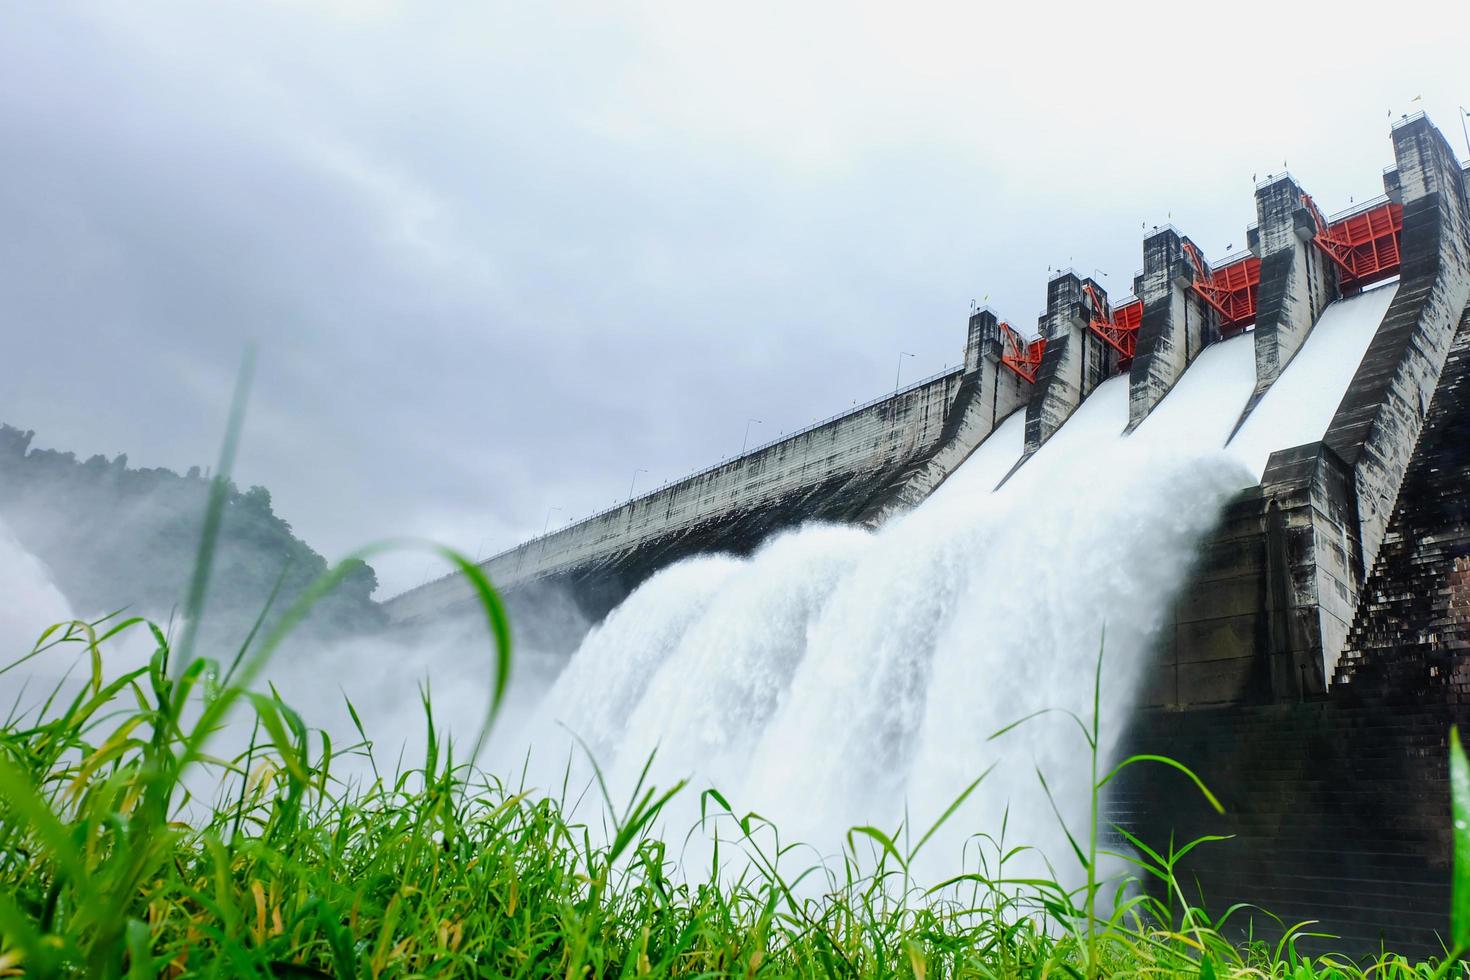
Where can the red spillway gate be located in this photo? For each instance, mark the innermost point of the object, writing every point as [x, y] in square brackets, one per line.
[1364, 244]
[1118, 327]
[1230, 289]
[1020, 355]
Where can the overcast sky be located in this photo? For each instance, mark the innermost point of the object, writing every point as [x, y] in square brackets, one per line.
[497, 257]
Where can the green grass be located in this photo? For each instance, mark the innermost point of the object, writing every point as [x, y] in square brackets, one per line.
[442, 870]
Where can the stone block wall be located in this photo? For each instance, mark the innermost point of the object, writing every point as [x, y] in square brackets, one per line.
[1337, 811]
[1209, 650]
[1412, 629]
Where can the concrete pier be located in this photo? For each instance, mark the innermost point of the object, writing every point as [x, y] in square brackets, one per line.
[1177, 323]
[988, 394]
[1075, 361]
[1297, 279]
[1275, 598]
[1377, 427]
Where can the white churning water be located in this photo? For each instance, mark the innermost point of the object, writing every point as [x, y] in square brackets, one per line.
[839, 677]
[990, 461]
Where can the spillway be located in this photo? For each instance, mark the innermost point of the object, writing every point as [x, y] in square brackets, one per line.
[989, 464]
[1298, 408]
[838, 677]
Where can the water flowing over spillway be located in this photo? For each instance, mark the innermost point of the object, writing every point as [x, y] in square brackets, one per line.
[1298, 407]
[839, 677]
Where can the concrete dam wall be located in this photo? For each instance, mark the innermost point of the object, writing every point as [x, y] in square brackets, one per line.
[858, 467]
[1313, 660]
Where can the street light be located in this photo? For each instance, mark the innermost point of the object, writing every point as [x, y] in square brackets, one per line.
[901, 355]
[547, 525]
[634, 480]
[746, 441]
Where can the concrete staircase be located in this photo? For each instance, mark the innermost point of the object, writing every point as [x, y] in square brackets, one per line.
[1412, 628]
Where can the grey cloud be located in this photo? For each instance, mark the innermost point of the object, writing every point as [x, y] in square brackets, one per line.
[493, 262]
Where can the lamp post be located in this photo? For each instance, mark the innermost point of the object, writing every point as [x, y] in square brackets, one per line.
[634, 480]
[545, 527]
[901, 355]
[746, 441]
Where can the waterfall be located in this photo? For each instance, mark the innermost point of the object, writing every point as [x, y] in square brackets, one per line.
[838, 677]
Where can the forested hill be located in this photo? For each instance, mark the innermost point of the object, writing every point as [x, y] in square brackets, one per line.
[113, 537]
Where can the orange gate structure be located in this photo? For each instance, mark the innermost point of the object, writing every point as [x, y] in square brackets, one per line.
[1118, 327]
[1364, 243]
[1230, 289]
[1019, 355]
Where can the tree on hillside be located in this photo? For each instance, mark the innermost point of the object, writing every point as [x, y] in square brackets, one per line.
[116, 537]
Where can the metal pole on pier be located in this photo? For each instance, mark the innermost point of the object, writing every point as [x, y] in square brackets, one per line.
[746, 441]
[901, 355]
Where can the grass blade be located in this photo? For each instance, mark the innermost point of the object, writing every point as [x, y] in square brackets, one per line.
[1460, 815]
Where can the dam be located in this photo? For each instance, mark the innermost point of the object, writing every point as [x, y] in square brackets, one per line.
[1309, 659]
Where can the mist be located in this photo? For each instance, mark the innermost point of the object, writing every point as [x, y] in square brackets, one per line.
[398, 680]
